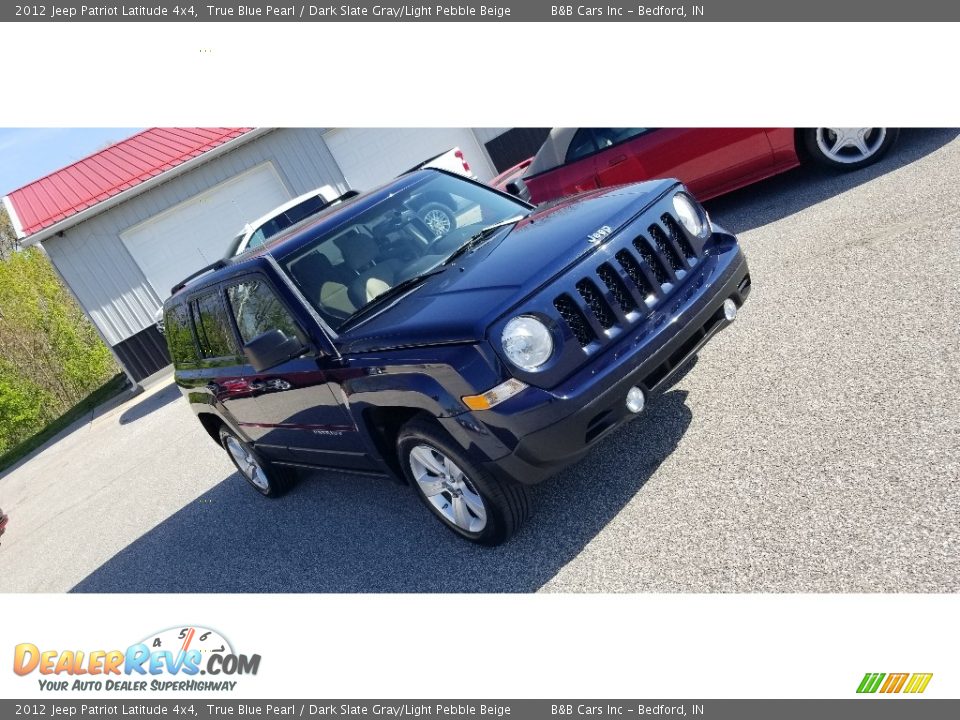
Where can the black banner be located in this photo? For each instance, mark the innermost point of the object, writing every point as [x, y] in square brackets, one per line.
[872, 708]
[487, 11]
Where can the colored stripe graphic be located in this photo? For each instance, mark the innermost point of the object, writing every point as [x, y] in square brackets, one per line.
[894, 682]
[870, 682]
[918, 683]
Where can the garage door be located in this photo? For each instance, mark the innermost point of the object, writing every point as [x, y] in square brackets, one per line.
[170, 246]
[370, 157]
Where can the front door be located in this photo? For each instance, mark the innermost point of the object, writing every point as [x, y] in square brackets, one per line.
[298, 415]
[708, 161]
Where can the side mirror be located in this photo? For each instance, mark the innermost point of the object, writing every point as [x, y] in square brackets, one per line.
[519, 189]
[272, 348]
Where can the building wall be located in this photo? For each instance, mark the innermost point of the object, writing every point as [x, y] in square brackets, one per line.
[104, 277]
[485, 135]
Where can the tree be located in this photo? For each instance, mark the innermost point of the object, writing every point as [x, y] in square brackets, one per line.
[8, 238]
[50, 355]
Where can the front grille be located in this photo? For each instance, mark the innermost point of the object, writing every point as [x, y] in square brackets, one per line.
[646, 254]
[632, 268]
[597, 303]
[642, 273]
[678, 236]
[666, 250]
[575, 320]
[616, 287]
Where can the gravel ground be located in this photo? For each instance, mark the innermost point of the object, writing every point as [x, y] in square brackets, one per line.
[814, 446]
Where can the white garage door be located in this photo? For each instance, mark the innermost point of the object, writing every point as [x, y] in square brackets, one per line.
[370, 157]
[170, 246]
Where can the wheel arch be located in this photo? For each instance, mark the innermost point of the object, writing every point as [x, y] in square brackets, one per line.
[383, 425]
[212, 424]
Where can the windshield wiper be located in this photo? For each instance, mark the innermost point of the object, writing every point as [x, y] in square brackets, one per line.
[480, 236]
[389, 294]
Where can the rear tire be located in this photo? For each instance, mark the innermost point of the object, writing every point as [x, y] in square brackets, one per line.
[465, 498]
[848, 148]
[267, 479]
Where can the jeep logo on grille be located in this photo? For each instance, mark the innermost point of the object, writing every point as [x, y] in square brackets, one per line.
[599, 234]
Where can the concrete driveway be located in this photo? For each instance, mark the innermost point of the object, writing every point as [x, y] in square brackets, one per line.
[814, 447]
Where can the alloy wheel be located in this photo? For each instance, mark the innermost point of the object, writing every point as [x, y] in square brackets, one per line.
[448, 489]
[850, 145]
[247, 463]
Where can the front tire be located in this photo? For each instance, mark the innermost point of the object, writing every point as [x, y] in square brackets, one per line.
[468, 500]
[267, 479]
[848, 148]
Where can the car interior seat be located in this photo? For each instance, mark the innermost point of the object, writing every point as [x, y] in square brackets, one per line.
[360, 254]
[322, 284]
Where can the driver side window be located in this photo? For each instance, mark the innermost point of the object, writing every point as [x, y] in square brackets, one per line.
[257, 309]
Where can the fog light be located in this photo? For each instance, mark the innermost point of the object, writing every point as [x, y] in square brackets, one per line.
[635, 399]
[729, 309]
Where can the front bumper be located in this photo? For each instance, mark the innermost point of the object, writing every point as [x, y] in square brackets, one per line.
[545, 430]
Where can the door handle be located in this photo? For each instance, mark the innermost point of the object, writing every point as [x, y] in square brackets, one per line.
[617, 160]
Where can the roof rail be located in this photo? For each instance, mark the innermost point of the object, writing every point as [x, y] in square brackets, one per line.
[218, 265]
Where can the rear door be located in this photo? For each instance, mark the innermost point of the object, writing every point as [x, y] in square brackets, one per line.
[298, 412]
[220, 371]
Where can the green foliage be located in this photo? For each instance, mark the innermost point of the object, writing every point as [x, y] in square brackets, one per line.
[50, 355]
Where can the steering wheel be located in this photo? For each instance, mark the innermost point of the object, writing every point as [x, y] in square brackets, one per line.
[431, 247]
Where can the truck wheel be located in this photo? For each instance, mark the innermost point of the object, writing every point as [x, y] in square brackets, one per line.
[439, 218]
[469, 501]
[267, 479]
[848, 148]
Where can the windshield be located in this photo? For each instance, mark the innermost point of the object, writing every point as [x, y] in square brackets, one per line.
[400, 238]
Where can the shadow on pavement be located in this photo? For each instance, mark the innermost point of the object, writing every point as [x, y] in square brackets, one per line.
[784, 195]
[150, 404]
[340, 533]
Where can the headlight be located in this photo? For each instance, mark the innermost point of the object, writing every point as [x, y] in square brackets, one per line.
[527, 342]
[691, 214]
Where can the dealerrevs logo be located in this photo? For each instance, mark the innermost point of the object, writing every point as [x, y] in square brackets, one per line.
[172, 659]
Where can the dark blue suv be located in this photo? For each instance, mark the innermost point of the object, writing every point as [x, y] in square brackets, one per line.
[469, 362]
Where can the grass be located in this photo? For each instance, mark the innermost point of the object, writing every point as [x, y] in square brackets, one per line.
[111, 388]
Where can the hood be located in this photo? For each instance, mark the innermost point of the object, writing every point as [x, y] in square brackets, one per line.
[458, 304]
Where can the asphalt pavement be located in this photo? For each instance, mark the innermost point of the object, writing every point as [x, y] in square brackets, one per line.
[813, 447]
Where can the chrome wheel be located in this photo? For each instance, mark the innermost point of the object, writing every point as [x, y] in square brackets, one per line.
[247, 463]
[448, 489]
[850, 145]
[438, 221]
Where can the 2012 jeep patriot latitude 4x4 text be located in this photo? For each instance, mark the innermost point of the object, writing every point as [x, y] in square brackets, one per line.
[470, 364]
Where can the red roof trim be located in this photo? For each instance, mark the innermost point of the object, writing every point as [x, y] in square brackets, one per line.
[111, 171]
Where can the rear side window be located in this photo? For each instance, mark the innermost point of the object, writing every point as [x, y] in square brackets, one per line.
[176, 324]
[257, 309]
[214, 335]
